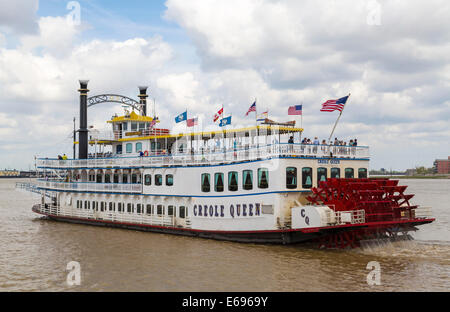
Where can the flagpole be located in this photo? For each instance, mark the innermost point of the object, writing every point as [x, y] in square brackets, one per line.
[337, 120]
[301, 125]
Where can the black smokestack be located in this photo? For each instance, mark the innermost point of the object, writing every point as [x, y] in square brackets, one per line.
[143, 99]
[83, 131]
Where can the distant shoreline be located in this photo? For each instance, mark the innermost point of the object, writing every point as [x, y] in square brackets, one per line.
[412, 177]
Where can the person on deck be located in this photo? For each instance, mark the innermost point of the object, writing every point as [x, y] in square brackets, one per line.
[291, 144]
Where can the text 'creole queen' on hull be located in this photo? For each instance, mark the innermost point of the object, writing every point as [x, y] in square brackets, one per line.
[246, 184]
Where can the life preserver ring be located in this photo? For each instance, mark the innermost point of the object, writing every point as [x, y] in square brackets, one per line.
[146, 153]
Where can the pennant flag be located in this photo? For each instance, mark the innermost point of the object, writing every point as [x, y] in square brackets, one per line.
[225, 121]
[181, 117]
[263, 116]
[192, 122]
[295, 110]
[252, 108]
[218, 114]
[332, 105]
[152, 123]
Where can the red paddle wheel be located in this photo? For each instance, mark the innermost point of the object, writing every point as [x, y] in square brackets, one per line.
[385, 207]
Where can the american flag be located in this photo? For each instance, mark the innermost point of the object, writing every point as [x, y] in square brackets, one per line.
[192, 122]
[332, 105]
[295, 110]
[252, 108]
[218, 114]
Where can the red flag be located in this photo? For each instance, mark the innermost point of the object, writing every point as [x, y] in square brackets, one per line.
[218, 114]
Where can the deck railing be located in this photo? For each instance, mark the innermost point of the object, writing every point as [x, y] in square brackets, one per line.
[214, 156]
[89, 214]
[91, 186]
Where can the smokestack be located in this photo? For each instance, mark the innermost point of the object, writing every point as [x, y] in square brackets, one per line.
[143, 99]
[83, 131]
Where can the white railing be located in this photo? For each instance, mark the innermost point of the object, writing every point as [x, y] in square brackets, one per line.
[213, 156]
[422, 212]
[91, 186]
[352, 217]
[88, 214]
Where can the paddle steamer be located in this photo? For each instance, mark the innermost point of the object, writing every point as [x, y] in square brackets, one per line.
[246, 185]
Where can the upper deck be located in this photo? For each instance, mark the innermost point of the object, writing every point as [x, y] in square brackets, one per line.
[215, 156]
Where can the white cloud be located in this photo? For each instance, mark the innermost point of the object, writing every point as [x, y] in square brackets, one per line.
[18, 16]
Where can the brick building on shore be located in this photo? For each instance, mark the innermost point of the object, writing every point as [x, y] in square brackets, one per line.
[442, 166]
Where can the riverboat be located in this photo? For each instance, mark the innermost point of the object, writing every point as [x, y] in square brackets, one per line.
[245, 184]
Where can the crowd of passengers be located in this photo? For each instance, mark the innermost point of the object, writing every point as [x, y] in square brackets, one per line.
[316, 141]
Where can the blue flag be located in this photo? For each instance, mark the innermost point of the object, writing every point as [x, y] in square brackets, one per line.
[225, 121]
[181, 117]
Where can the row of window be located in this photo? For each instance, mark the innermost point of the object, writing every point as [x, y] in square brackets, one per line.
[233, 178]
[158, 179]
[114, 178]
[322, 173]
[139, 209]
[154, 146]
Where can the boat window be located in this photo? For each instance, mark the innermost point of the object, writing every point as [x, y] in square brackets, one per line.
[158, 179]
[119, 149]
[182, 212]
[102, 206]
[116, 178]
[125, 178]
[349, 173]
[130, 207]
[291, 177]
[134, 178]
[138, 147]
[218, 182]
[125, 126]
[107, 178]
[148, 179]
[306, 177]
[160, 209]
[149, 209]
[133, 126]
[110, 206]
[362, 173]
[129, 148]
[247, 179]
[169, 179]
[232, 181]
[141, 125]
[138, 208]
[321, 175]
[119, 207]
[170, 210]
[336, 173]
[155, 146]
[99, 178]
[95, 206]
[205, 182]
[263, 178]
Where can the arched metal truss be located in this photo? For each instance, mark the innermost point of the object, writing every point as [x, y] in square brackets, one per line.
[103, 98]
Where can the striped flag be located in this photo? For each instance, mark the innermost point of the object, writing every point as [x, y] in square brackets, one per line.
[332, 105]
[252, 108]
[263, 116]
[295, 110]
[218, 114]
[192, 122]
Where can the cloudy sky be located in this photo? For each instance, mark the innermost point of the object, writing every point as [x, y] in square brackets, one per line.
[393, 56]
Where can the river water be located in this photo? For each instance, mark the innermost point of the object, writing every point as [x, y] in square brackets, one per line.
[34, 253]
